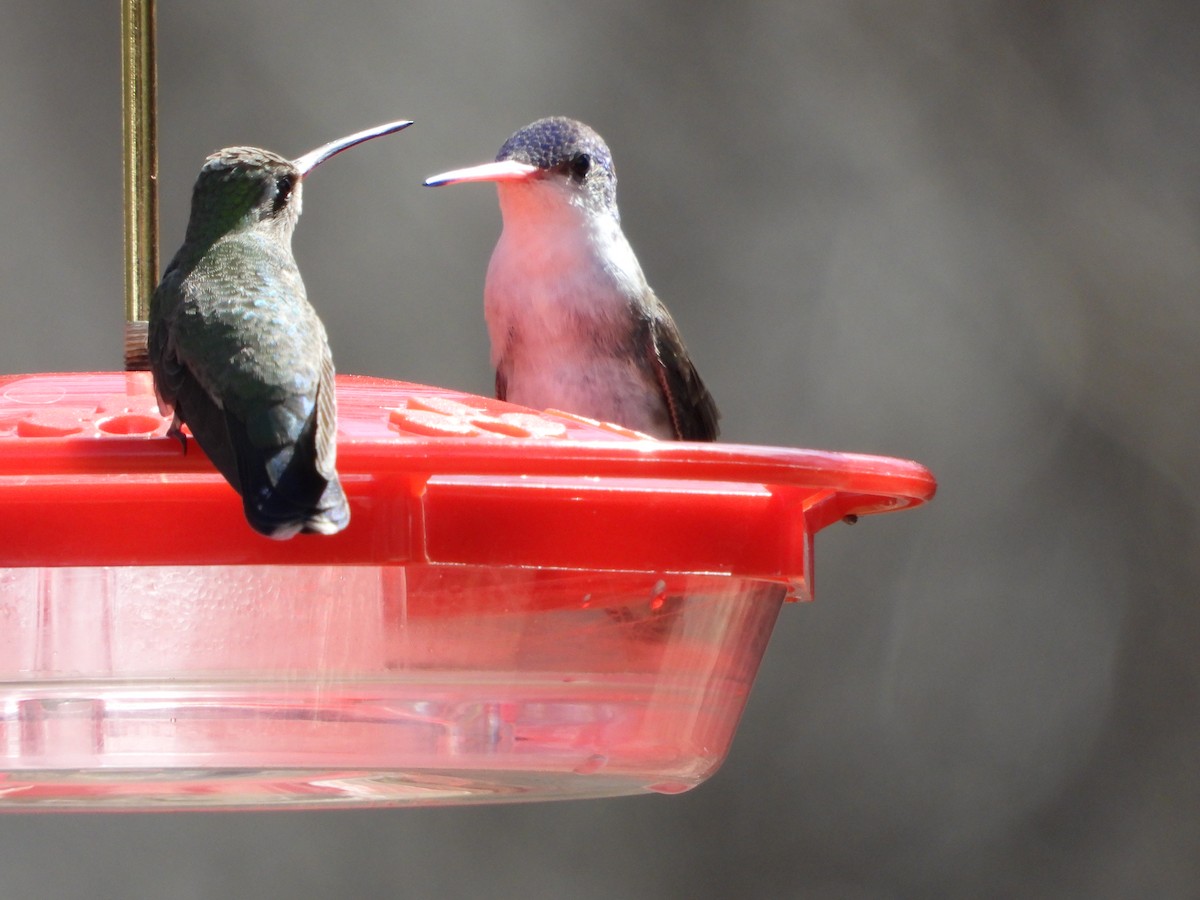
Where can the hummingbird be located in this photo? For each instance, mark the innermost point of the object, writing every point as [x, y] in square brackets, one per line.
[572, 321]
[237, 352]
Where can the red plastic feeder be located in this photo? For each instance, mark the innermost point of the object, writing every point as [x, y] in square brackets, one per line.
[524, 606]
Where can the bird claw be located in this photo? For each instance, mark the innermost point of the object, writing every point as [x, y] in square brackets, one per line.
[176, 431]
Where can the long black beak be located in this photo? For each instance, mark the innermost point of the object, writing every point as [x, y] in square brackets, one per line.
[314, 158]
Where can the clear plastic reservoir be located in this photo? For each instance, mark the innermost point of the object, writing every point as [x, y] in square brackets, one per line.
[258, 685]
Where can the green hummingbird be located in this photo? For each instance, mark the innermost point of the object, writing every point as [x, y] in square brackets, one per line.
[237, 352]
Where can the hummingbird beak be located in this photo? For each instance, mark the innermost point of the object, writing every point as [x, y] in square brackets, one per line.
[505, 170]
[314, 158]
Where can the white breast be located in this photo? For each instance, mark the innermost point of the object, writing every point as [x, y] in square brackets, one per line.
[558, 306]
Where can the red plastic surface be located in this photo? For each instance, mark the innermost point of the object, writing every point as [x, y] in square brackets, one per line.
[524, 606]
[88, 477]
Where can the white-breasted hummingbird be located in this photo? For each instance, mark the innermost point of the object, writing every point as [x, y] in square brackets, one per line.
[573, 324]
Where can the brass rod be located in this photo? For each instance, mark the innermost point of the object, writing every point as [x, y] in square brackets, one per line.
[139, 118]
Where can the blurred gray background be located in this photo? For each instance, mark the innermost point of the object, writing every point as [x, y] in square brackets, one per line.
[963, 233]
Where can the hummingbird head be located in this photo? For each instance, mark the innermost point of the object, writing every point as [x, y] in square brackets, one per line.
[246, 187]
[558, 153]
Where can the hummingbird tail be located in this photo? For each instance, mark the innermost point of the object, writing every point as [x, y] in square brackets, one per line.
[333, 512]
[281, 514]
[285, 489]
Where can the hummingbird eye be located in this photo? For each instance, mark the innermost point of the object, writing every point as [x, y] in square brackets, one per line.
[283, 190]
[580, 165]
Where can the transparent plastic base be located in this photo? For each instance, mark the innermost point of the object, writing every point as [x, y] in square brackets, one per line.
[268, 686]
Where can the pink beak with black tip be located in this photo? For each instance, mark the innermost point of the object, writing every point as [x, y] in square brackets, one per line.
[504, 170]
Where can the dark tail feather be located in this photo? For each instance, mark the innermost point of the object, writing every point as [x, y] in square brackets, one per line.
[284, 494]
[333, 511]
[307, 504]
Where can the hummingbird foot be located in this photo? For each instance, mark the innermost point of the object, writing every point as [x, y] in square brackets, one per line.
[176, 431]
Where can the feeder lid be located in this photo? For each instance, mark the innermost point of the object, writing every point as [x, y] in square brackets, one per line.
[88, 477]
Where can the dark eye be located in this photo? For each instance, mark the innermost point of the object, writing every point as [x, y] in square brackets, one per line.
[283, 190]
[581, 164]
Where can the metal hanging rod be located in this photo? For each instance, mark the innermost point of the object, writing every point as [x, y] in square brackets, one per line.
[139, 107]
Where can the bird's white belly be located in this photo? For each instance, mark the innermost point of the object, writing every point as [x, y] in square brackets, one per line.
[561, 328]
[608, 389]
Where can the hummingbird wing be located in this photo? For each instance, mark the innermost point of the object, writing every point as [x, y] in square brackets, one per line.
[285, 455]
[163, 363]
[693, 411]
[174, 385]
[286, 465]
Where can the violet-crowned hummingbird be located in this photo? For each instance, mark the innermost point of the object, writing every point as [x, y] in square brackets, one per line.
[573, 324]
[237, 352]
